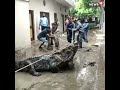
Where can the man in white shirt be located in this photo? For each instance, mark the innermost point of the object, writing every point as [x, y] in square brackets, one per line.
[43, 22]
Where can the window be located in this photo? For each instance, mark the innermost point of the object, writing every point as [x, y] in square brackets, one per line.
[60, 8]
[65, 10]
[55, 16]
[44, 2]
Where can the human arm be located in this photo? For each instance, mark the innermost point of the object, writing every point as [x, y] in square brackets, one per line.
[85, 26]
[73, 25]
[40, 23]
[70, 26]
[47, 21]
[56, 31]
[78, 26]
[50, 35]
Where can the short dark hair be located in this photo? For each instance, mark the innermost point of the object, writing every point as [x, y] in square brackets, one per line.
[43, 14]
[48, 30]
[75, 21]
[82, 20]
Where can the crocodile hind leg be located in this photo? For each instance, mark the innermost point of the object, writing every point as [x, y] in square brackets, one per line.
[71, 65]
[32, 70]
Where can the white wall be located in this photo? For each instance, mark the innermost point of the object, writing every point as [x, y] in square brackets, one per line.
[22, 32]
[52, 7]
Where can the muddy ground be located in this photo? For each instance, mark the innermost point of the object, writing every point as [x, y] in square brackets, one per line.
[80, 78]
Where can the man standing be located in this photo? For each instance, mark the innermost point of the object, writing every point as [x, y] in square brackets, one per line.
[85, 28]
[70, 27]
[55, 26]
[43, 22]
[77, 27]
[54, 31]
[67, 20]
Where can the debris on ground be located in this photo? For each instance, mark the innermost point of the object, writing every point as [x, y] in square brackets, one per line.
[89, 64]
[95, 45]
[31, 86]
[89, 50]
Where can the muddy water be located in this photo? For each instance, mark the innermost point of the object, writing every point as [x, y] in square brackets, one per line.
[77, 79]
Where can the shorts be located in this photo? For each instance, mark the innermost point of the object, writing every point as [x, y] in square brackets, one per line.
[43, 28]
[44, 40]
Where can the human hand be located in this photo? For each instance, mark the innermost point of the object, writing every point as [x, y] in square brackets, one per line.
[74, 29]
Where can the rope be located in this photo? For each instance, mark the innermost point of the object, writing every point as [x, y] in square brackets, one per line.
[27, 65]
[31, 64]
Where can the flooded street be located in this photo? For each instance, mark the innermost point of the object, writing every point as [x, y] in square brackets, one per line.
[84, 76]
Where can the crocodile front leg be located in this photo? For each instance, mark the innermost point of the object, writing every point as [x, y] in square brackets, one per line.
[32, 70]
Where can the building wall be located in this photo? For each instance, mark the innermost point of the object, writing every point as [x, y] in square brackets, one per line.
[52, 7]
[22, 32]
[22, 27]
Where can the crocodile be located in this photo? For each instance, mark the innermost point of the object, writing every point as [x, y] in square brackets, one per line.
[50, 62]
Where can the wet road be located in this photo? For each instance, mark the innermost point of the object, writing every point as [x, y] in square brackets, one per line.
[80, 78]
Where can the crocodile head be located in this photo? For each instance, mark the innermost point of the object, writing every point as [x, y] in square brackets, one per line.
[68, 53]
[19, 64]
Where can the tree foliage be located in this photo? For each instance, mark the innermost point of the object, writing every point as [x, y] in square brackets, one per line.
[82, 9]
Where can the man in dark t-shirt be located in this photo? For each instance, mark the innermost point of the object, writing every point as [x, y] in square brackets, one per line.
[43, 36]
[70, 27]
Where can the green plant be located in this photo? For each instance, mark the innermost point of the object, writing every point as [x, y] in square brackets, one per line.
[83, 9]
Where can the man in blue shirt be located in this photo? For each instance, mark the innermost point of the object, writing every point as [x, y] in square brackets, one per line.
[77, 27]
[70, 27]
[85, 27]
[43, 22]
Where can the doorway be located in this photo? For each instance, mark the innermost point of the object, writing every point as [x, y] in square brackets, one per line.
[55, 16]
[66, 16]
[63, 22]
[47, 16]
[31, 19]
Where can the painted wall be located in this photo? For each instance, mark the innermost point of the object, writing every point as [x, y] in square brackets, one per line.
[22, 32]
[22, 27]
[52, 7]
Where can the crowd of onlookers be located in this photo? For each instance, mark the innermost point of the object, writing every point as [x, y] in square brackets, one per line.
[90, 19]
[76, 24]
[48, 35]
